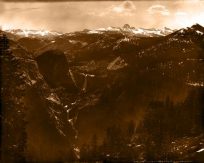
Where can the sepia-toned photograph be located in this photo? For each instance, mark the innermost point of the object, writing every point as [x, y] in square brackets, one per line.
[102, 81]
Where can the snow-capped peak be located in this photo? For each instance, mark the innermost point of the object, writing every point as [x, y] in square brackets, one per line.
[198, 29]
[134, 31]
[28, 33]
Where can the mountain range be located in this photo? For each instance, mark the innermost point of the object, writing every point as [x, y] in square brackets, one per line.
[110, 94]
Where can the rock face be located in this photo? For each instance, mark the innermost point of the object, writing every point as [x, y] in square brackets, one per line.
[34, 121]
[54, 67]
[127, 26]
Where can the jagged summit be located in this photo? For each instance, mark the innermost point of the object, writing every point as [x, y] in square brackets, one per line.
[197, 27]
[126, 26]
[127, 29]
[190, 32]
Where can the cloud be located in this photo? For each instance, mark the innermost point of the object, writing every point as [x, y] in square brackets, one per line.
[72, 16]
[188, 2]
[126, 8]
[118, 9]
[181, 13]
[158, 9]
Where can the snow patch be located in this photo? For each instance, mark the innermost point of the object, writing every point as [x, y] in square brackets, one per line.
[201, 150]
[52, 97]
[93, 32]
[196, 84]
[199, 32]
[117, 63]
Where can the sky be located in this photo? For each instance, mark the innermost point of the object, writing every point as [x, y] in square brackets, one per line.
[75, 16]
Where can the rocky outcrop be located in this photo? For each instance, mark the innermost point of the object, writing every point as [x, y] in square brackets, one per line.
[54, 67]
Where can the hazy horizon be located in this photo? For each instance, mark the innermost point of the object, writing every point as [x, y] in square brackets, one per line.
[76, 16]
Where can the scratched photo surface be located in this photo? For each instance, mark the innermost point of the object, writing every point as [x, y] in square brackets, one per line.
[102, 81]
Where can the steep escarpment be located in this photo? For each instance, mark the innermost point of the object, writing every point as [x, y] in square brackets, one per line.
[54, 67]
[34, 122]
